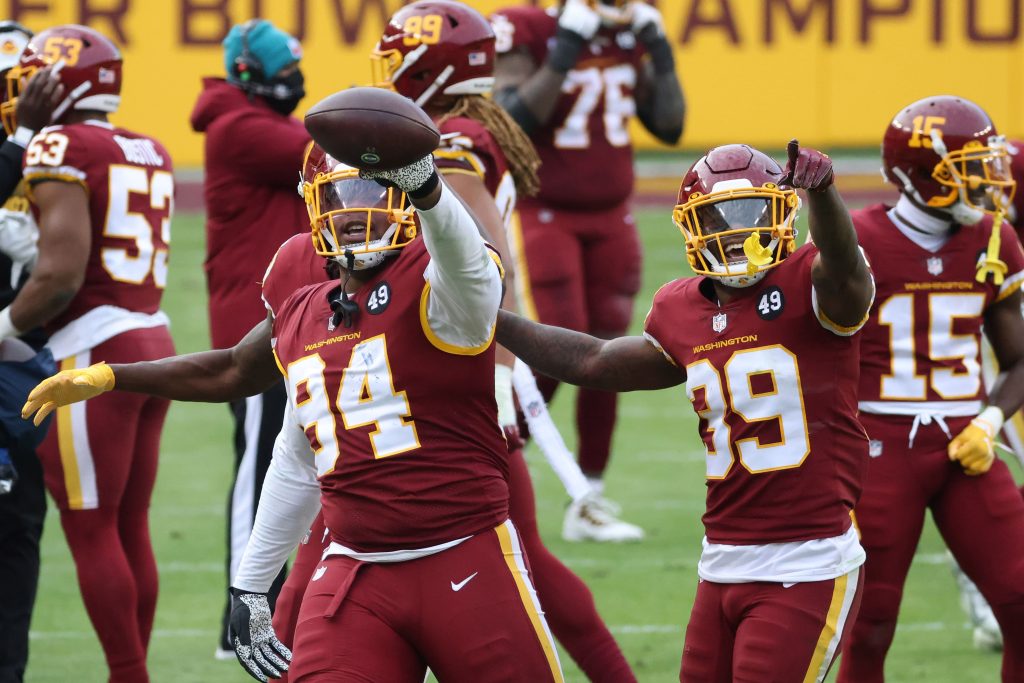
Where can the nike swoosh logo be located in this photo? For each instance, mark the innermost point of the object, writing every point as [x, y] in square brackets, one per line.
[319, 573]
[789, 585]
[458, 586]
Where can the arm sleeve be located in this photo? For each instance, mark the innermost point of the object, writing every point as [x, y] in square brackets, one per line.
[273, 151]
[288, 505]
[463, 279]
[11, 154]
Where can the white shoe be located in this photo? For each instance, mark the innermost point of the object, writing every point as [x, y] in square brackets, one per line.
[222, 655]
[987, 634]
[595, 518]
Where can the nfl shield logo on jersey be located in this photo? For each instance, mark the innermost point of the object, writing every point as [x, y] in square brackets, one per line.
[718, 322]
[935, 265]
[874, 448]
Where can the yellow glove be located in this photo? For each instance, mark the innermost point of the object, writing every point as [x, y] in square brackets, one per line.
[65, 388]
[973, 447]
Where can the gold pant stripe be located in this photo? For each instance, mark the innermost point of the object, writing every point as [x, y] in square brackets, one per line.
[829, 632]
[513, 557]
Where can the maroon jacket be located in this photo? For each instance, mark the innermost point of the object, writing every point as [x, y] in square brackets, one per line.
[253, 159]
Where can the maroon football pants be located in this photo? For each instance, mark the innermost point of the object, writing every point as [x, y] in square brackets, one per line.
[580, 270]
[756, 632]
[981, 519]
[468, 613]
[566, 600]
[100, 461]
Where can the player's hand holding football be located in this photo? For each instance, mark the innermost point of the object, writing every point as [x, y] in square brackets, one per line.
[417, 179]
[65, 388]
[808, 168]
[973, 447]
[256, 645]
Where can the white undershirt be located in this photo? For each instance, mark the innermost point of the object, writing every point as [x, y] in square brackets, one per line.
[920, 227]
[465, 293]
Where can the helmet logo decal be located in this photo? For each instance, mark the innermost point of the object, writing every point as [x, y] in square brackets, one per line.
[370, 156]
[923, 130]
[423, 29]
[57, 48]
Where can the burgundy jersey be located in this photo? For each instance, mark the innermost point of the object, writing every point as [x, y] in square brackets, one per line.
[585, 147]
[776, 394]
[1017, 171]
[923, 339]
[468, 147]
[129, 181]
[406, 436]
[295, 265]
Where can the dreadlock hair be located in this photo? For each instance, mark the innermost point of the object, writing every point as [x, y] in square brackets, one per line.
[520, 154]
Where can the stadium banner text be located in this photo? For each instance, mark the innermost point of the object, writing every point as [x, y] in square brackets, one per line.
[831, 72]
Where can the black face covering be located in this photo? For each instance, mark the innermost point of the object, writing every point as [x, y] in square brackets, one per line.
[284, 94]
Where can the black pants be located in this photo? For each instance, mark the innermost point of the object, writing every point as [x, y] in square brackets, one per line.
[257, 423]
[22, 512]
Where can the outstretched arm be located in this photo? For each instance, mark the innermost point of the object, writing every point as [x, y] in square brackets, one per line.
[246, 369]
[622, 364]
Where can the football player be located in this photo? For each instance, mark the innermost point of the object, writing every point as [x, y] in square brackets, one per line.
[765, 339]
[946, 266]
[103, 197]
[487, 160]
[574, 77]
[390, 375]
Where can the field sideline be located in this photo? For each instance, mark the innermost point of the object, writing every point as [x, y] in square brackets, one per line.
[644, 591]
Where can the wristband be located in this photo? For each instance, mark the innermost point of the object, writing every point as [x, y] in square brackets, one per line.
[661, 53]
[426, 188]
[7, 328]
[991, 418]
[22, 136]
[568, 45]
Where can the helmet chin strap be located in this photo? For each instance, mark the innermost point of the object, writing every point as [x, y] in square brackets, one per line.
[344, 306]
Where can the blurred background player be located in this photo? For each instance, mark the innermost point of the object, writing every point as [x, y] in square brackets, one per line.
[488, 161]
[765, 338]
[103, 198]
[573, 77]
[253, 150]
[945, 265]
[22, 494]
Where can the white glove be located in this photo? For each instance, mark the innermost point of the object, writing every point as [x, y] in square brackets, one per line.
[643, 15]
[257, 648]
[407, 178]
[580, 18]
[18, 237]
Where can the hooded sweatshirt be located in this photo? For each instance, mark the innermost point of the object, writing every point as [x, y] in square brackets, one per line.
[253, 158]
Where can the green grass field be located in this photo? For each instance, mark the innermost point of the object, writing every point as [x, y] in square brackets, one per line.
[644, 591]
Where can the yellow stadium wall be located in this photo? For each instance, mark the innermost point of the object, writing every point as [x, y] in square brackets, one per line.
[830, 72]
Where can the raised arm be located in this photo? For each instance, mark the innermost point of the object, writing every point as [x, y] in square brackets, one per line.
[622, 364]
[842, 280]
[660, 104]
[528, 91]
[246, 369]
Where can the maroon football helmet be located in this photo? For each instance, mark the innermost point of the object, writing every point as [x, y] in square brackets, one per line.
[435, 46]
[87, 63]
[945, 153]
[346, 211]
[736, 219]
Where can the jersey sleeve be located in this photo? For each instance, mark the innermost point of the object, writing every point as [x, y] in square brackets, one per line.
[466, 147]
[56, 153]
[655, 325]
[520, 28]
[823, 319]
[1012, 254]
[287, 272]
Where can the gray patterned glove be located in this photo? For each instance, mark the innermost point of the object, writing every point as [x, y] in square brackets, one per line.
[258, 650]
[412, 179]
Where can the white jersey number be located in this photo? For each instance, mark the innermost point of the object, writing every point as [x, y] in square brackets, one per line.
[904, 383]
[782, 401]
[134, 264]
[612, 86]
[366, 397]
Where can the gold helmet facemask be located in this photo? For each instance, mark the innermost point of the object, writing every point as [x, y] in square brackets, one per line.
[977, 175]
[357, 222]
[738, 232]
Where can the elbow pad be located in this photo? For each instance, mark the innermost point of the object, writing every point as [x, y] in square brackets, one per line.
[511, 102]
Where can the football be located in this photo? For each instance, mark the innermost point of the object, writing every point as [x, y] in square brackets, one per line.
[372, 129]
